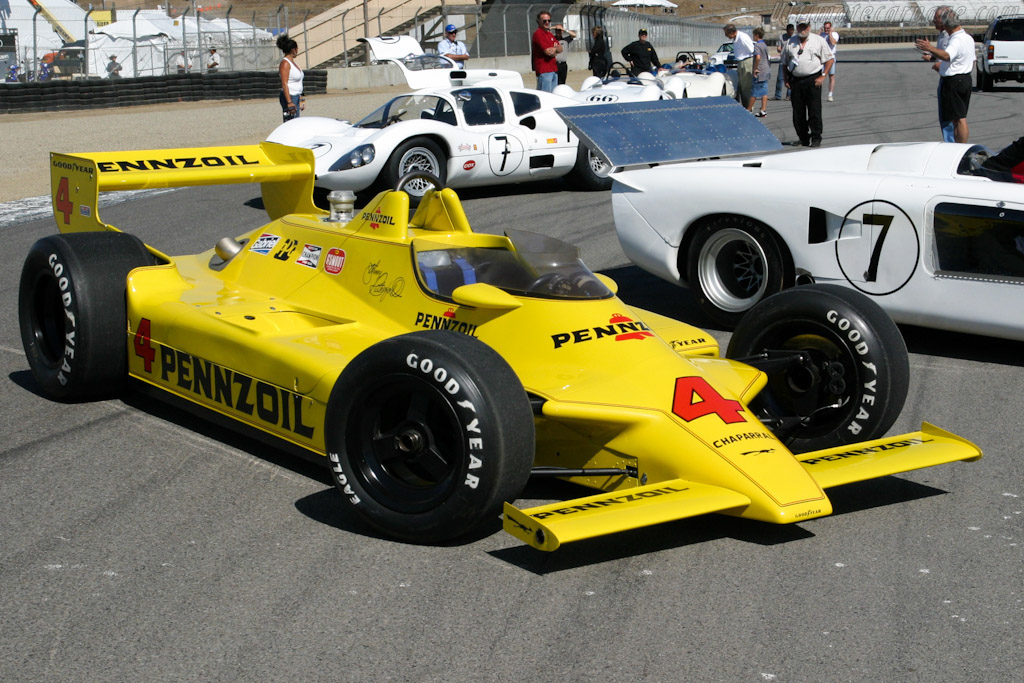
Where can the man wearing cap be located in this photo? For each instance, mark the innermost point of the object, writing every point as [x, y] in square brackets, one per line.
[641, 55]
[564, 36]
[743, 53]
[213, 61]
[806, 59]
[543, 48]
[453, 49]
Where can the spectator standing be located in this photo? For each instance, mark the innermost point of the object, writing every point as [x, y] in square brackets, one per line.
[543, 48]
[805, 59]
[213, 61]
[956, 63]
[743, 52]
[762, 71]
[600, 53]
[292, 101]
[781, 78]
[564, 36]
[641, 55]
[832, 38]
[113, 68]
[179, 62]
[452, 48]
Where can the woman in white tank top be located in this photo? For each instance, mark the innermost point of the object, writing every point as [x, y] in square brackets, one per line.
[292, 101]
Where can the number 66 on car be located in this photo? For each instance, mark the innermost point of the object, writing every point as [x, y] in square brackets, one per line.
[434, 370]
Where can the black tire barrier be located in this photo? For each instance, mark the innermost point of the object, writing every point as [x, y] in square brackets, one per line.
[97, 93]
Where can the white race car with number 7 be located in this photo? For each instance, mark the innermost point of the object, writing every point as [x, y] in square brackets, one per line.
[912, 225]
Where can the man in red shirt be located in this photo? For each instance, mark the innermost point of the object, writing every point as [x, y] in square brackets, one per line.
[544, 48]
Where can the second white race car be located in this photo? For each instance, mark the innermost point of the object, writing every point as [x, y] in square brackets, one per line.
[912, 225]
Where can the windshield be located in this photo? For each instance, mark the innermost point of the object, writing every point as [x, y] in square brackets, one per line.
[535, 266]
[407, 107]
[425, 62]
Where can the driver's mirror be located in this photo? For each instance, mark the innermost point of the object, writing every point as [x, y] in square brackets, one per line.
[528, 122]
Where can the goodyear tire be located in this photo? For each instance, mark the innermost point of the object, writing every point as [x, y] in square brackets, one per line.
[590, 172]
[732, 264]
[428, 434]
[855, 384]
[71, 307]
[417, 154]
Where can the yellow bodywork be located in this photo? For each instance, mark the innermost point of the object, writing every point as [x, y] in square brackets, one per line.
[262, 336]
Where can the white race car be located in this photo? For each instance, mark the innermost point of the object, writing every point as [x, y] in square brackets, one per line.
[466, 136]
[912, 225]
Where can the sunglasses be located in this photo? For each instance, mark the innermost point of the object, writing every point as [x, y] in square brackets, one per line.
[545, 21]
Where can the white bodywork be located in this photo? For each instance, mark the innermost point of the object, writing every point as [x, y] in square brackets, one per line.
[423, 70]
[666, 85]
[900, 222]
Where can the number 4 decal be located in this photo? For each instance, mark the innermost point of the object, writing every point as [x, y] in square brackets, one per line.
[694, 398]
[63, 201]
[144, 344]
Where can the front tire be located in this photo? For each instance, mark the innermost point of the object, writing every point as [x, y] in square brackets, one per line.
[984, 81]
[72, 312]
[855, 381]
[417, 154]
[732, 264]
[428, 434]
[590, 172]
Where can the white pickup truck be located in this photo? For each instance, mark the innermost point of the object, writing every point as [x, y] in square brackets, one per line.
[1002, 52]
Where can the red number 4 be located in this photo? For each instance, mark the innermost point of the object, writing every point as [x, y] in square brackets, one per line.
[143, 344]
[694, 398]
[63, 200]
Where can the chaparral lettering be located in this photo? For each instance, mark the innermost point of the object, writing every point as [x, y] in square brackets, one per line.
[742, 436]
[270, 404]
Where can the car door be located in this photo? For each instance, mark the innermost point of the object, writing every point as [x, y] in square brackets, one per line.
[484, 112]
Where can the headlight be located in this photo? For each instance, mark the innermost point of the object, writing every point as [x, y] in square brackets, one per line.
[360, 156]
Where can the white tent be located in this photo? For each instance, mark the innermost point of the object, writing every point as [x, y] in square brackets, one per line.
[157, 39]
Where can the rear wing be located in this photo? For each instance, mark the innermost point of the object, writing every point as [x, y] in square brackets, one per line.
[644, 133]
[286, 174]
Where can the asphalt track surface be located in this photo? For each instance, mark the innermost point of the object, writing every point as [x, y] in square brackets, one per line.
[138, 542]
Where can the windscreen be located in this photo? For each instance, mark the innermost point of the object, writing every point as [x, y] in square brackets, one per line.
[527, 265]
[408, 107]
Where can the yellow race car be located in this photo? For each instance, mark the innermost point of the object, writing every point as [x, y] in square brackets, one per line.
[435, 369]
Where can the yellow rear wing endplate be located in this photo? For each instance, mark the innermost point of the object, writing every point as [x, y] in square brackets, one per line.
[287, 175]
[891, 455]
[548, 526]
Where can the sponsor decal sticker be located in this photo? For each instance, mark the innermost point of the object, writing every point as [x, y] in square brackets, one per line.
[465, 147]
[612, 500]
[552, 141]
[170, 163]
[264, 244]
[377, 218]
[445, 321]
[310, 256]
[880, 448]
[334, 261]
[469, 165]
[619, 326]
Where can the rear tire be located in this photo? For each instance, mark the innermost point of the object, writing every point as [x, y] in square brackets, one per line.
[855, 384]
[428, 434]
[590, 171]
[732, 264]
[72, 312]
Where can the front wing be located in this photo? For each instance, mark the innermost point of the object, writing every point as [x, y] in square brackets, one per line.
[547, 527]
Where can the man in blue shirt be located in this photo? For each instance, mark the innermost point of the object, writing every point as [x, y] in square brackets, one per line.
[453, 49]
